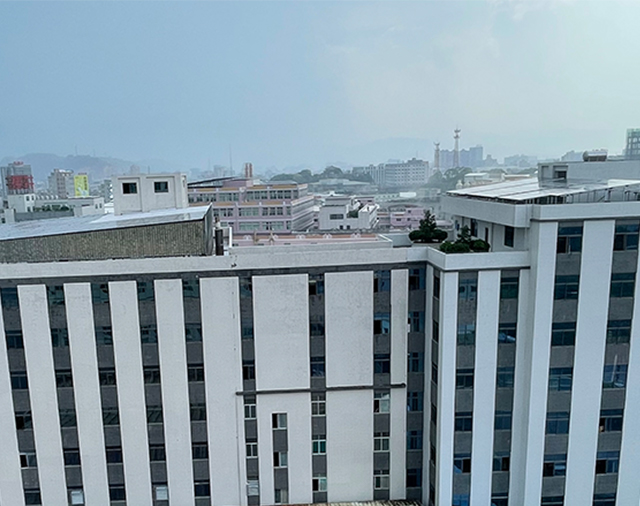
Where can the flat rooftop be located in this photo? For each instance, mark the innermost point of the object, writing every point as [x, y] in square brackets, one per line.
[533, 191]
[94, 223]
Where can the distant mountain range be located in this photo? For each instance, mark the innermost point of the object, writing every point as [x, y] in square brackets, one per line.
[98, 168]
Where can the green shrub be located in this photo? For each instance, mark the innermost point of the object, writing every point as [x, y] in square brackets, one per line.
[480, 245]
[454, 247]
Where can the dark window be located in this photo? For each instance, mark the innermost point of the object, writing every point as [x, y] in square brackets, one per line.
[14, 339]
[610, 420]
[604, 500]
[149, 334]
[467, 289]
[563, 334]
[198, 412]
[435, 331]
[466, 334]
[248, 370]
[114, 455]
[19, 381]
[59, 338]
[23, 420]
[555, 465]
[193, 332]
[154, 414]
[566, 287]
[110, 416]
[151, 375]
[191, 288]
[32, 497]
[504, 377]
[107, 376]
[474, 228]
[416, 361]
[247, 331]
[100, 293]
[623, 284]
[569, 239]
[462, 463]
[414, 478]
[55, 295]
[9, 297]
[317, 367]
[129, 188]
[245, 287]
[28, 460]
[552, 501]
[382, 363]
[145, 291]
[381, 323]
[316, 284]
[202, 489]
[64, 379]
[464, 422]
[503, 420]
[414, 440]
[104, 335]
[460, 500]
[416, 321]
[509, 287]
[560, 378]
[416, 278]
[507, 332]
[68, 418]
[464, 378]
[618, 331]
[434, 373]
[436, 286]
[607, 462]
[626, 237]
[499, 500]
[116, 493]
[381, 281]
[414, 401]
[200, 451]
[316, 329]
[557, 422]
[501, 462]
[278, 420]
[509, 233]
[71, 458]
[195, 373]
[615, 376]
[161, 186]
[157, 453]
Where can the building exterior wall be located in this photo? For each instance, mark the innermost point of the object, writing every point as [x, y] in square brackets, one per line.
[148, 192]
[247, 207]
[170, 240]
[345, 374]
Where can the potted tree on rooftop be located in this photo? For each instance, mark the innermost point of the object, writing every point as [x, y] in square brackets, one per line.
[428, 231]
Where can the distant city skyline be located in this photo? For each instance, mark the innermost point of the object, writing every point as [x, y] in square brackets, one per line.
[310, 83]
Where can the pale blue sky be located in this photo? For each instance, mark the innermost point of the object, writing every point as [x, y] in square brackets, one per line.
[290, 83]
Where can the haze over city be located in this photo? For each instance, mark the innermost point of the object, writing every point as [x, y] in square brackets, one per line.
[311, 83]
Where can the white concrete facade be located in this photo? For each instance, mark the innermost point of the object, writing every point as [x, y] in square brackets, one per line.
[248, 377]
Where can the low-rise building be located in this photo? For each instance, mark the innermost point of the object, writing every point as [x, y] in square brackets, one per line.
[347, 213]
[145, 192]
[397, 174]
[246, 205]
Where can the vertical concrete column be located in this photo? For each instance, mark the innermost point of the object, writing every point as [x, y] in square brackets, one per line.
[86, 390]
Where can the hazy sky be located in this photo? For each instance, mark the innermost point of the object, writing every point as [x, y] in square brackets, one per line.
[288, 83]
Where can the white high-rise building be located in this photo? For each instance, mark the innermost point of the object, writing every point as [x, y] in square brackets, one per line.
[337, 373]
